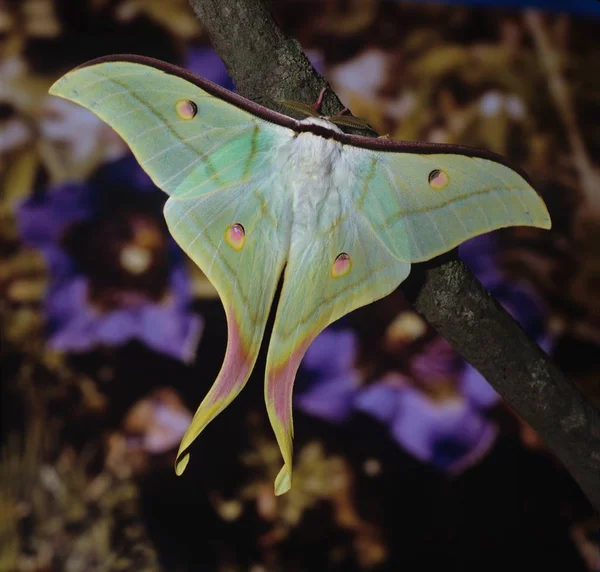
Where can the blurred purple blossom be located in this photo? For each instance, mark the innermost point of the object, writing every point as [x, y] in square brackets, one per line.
[205, 62]
[76, 321]
[448, 433]
[436, 362]
[331, 359]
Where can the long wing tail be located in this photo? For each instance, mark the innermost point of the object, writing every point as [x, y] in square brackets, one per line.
[326, 276]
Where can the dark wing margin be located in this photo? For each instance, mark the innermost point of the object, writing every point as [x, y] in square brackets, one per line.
[373, 143]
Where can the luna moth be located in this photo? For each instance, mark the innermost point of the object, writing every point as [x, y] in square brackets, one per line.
[254, 195]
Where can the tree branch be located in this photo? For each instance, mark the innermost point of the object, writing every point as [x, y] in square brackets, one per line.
[267, 66]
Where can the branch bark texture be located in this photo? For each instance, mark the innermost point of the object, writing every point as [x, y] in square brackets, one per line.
[268, 66]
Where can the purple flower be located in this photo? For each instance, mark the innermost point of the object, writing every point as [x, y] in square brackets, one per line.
[331, 358]
[449, 433]
[380, 400]
[205, 62]
[333, 352]
[115, 274]
[436, 362]
[432, 410]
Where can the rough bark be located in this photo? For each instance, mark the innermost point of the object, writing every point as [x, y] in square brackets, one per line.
[268, 66]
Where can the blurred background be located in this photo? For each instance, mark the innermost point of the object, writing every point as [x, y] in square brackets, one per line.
[406, 459]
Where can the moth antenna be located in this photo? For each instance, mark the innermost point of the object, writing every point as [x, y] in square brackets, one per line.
[299, 107]
[350, 121]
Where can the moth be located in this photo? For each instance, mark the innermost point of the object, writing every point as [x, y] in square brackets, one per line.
[254, 195]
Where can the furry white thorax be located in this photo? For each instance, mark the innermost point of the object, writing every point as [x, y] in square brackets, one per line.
[315, 170]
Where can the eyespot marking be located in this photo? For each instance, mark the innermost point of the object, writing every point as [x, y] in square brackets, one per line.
[341, 266]
[438, 179]
[186, 109]
[235, 236]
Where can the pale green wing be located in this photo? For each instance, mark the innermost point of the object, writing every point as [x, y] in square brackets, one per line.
[214, 160]
[244, 263]
[422, 205]
[317, 290]
[186, 139]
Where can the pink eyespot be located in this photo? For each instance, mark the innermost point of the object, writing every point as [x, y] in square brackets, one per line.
[438, 179]
[341, 266]
[186, 109]
[235, 236]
